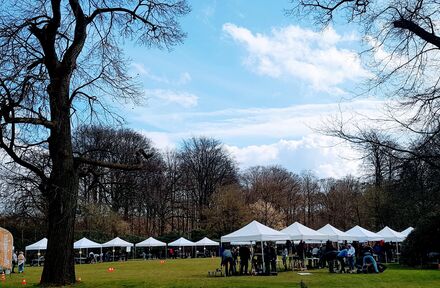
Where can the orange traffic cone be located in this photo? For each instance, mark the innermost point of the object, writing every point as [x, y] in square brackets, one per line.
[23, 282]
[79, 279]
[3, 276]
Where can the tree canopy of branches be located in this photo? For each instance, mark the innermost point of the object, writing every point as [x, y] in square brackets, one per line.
[403, 46]
[60, 63]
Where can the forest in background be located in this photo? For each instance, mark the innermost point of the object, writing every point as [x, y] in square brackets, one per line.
[198, 190]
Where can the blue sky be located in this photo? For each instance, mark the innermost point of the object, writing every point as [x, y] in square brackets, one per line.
[257, 80]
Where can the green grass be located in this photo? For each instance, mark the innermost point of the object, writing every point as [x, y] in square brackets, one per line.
[193, 273]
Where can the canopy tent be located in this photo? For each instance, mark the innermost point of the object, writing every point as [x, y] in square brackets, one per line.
[117, 242]
[362, 235]
[297, 231]
[206, 242]
[334, 234]
[390, 235]
[39, 245]
[151, 242]
[254, 231]
[407, 231]
[182, 242]
[85, 243]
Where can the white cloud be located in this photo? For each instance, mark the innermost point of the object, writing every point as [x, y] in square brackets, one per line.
[184, 78]
[269, 136]
[312, 152]
[307, 55]
[181, 98]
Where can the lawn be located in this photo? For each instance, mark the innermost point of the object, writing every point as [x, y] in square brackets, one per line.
[193, 273]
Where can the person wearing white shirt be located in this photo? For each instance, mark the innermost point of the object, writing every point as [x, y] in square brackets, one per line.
[350, 256]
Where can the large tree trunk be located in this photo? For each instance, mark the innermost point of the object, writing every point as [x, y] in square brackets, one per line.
[62, 191]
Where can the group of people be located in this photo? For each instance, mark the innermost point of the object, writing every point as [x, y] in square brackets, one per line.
[18, 260]
[351, 257]
[230, 260]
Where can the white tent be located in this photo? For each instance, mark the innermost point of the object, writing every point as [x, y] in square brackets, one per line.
[334, 234]
[297, 231]
[254, 231]
[39, 245]
[182, 242]
[206, 242]
[151, 242]
[407, 231]
[390, 235]
[360, 234]
[117, 242]
[85, 243]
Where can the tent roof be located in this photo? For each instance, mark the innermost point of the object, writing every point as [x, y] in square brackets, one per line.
[407, 231]
[334, 234]
[117, 242]
[360, 234]
[297, 231]
[390, 235]
[254, 231]
[151, 242]
[39, 245]
[207, 242]
[85, 243]
[181, 242]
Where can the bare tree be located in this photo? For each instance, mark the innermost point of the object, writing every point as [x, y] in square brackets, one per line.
[403, 44]
[206, 166]
[56, 58]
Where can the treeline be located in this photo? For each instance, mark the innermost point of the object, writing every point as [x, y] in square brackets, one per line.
[198, 189]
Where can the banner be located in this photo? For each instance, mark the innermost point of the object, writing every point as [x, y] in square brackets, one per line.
[6, 244]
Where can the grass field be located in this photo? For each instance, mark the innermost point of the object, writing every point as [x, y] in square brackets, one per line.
[193, 273]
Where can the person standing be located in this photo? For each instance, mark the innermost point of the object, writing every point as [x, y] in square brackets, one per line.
[245, 255]
[351, 252]
[284, 255]
[14, 261]
[20, 260]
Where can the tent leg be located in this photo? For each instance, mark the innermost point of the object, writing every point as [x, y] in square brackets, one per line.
[262, 257]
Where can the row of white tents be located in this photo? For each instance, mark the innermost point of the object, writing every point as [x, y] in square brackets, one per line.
[257, 232]
[85, 243]
[254, 232]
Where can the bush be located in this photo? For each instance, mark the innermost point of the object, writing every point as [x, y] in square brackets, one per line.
[422, 246]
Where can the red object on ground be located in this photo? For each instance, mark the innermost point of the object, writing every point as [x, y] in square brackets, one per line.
[23, 282]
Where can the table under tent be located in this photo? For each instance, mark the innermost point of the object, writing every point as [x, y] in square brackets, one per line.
[392, 236]
[182, 243]
[86, 244]
[152, 243]
[206, 242]
[37, 246]
[119, 243]
[300, 232]
[257, 233]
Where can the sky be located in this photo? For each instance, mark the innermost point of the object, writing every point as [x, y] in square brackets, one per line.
[260, 81]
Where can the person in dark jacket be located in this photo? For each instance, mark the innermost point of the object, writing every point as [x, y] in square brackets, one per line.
[245, 255]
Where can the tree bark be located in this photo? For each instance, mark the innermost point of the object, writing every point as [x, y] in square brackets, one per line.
[62, 190]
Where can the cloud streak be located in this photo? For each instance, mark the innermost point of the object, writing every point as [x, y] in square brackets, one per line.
[292, 51]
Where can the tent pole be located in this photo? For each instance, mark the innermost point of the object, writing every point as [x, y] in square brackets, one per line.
[262, 257]
[38, 257]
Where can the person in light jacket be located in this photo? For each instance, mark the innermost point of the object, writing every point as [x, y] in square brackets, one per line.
[20, 261]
